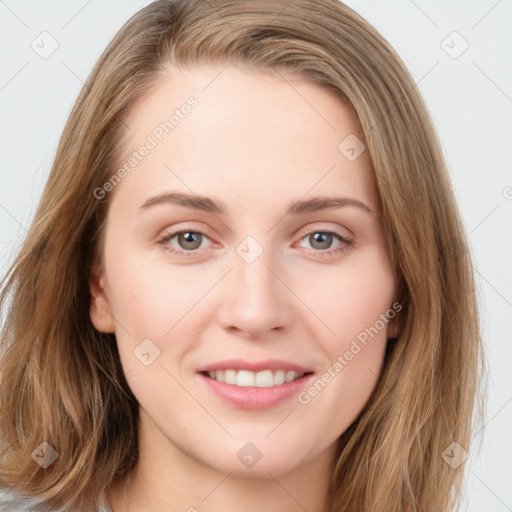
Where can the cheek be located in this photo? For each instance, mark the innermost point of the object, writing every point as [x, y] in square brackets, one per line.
[149, 297]
[351, 297]
[357, 308]
[153, 300]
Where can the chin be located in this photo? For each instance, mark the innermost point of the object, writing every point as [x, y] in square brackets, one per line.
[256, 459]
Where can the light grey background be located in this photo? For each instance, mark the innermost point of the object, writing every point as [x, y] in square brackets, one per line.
[469, 94]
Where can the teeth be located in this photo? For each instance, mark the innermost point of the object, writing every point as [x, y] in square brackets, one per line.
[243, 378]
[263, 379]
[279, 377]
[289, 376]
[229, 376]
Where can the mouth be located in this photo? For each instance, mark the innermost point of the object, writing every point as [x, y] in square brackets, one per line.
[254, 385]
[262, 379]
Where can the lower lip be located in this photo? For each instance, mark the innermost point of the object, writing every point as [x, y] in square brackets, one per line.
[252, 397]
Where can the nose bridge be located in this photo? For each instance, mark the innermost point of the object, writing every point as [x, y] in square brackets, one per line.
[254, 282]
[256, 300]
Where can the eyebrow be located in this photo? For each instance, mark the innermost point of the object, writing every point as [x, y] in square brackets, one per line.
[208, 204]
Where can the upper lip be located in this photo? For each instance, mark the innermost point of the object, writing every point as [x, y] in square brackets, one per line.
[254, 366]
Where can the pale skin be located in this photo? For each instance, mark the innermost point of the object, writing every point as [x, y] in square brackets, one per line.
[255, 143]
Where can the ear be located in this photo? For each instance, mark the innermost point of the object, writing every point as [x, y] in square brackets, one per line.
[393, 328]
[100, 309]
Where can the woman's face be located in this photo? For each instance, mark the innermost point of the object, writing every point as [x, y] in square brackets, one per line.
[265, 283]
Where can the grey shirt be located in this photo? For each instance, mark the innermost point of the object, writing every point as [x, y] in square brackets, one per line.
[11, 501]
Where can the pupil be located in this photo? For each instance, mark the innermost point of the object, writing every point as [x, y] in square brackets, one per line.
[191, 238]
[322, 238]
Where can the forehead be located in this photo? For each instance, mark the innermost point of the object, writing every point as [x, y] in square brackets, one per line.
[248, 129]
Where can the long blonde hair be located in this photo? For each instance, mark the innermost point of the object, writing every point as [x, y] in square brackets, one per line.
[61, 381]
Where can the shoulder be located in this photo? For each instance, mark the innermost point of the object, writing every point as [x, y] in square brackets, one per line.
[11, 501]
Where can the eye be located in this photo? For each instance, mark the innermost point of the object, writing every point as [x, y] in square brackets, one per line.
[189, 241]
[322, 240]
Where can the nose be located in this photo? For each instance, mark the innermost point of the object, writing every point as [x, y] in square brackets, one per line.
[255, 298]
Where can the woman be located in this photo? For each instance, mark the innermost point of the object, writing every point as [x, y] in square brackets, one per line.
[175, 337]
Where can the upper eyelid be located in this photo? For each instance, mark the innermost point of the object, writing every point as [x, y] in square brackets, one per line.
[320, 229]
[171, 233]
[304, 230]
[167, 236]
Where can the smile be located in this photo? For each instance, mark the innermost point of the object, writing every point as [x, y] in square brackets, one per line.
[247, 378]
[247, 384]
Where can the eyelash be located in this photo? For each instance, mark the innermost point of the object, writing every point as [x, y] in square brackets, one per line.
[345, 245]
